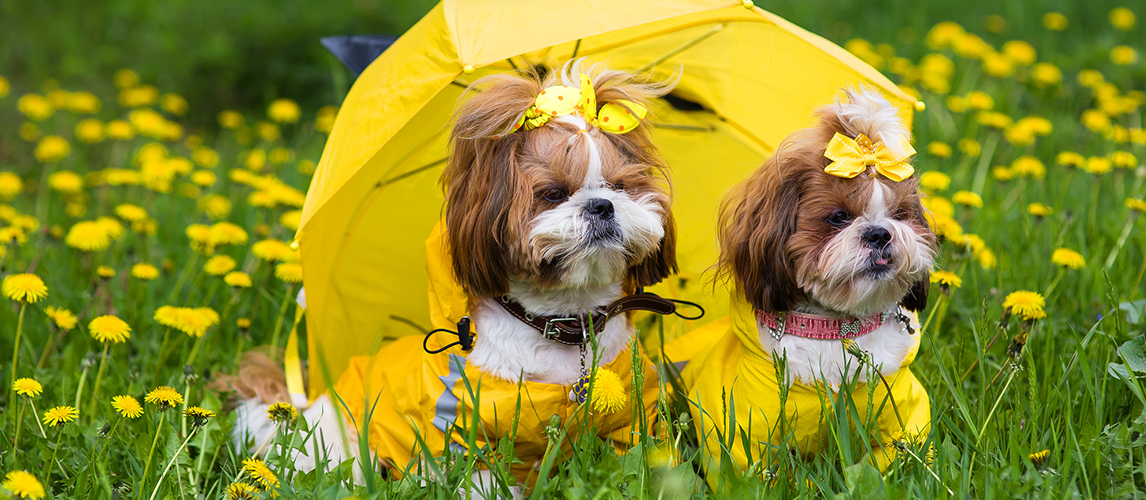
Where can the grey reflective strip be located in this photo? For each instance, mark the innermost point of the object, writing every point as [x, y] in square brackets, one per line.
[446, 409]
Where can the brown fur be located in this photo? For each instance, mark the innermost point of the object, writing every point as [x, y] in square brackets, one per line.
[494, 181]
[775, 222]
[260, 376]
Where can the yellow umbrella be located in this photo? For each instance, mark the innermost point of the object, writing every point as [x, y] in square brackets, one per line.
[748, 79]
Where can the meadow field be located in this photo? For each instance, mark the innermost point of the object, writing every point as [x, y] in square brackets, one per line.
[145, 242]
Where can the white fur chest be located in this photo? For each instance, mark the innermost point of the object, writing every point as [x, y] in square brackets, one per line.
[816, 360]
[507, 348]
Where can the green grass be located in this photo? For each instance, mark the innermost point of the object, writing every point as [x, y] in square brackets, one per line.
[1073, 391]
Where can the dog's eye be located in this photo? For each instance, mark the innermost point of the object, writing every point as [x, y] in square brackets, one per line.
[839, 218]
[619, 186]
[901, 214]
[555, 195]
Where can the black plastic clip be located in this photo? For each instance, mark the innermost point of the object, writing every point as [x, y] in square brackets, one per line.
[465, 339]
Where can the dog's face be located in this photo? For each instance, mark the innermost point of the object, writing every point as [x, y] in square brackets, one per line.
[562, 206]
[794, 233]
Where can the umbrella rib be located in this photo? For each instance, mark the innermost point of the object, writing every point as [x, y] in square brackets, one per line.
[688, 45]
[677, 126]
[576, 48]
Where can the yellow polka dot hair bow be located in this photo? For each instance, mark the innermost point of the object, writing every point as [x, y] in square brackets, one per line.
[851, 157]
[559, 100]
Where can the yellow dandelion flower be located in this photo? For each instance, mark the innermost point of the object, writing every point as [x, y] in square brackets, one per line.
[226, 233]
[609, 394]
[12, 234]
[945, 226]
[174, 104]
[291, 219]
[271, 250]
[88, 236]
[199, 415]
[980, 101]
[1095, 120]
[279, 156]
[934, 182]
[109, 328]
[10, 185]
[282, 412]
[1019, 135]
[219, 265]
[1039, 458]
[241, 491]
[24, 287]
[52, 148]
[4, 87]
[289, 272]
[1028, 305]
[267, 131]
[243, 323]
[230, 119]
[255, 159]
[955, 103]
[1021, 52]
[66, 181]
[283, 111]
[1068, 258]
[63, 318]
[35, 107]
[1046, 74]
[126, 78]
[1039, 210]
[164, 397]
[1029, 166]
[127, 406]
[105, 272]
[998, 65]
[306, 167]
[60, 415]
[1123, 159]
[90, 131]
[943, 34]
[996, 23]
[1136, 204]
[986, 259]
[131, 213]
[168, 316]
[144, 271]
[24, 485]
[938, 205]
[969, 146]
[324, 120]
[238, 279]
[27, 387]
[258, 471]
[203, 178]
[145, 227]
[993, 119]
[216, 206]
[939, 149]
[1123, 55]
[1054, 21]
[1098, 165]
[1070, 159]
[119, 130]
[205, 157]
[967, 198]
[1122, 18]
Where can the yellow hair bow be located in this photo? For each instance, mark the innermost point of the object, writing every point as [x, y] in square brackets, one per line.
[851, 157]
[559, 100]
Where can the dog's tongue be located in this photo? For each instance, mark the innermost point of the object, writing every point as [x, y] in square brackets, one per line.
[882, 261]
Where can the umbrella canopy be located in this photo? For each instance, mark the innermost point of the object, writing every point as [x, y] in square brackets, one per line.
[747, 79]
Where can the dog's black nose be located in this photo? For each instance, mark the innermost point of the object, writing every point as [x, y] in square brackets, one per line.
[600, 208]
[876, 237]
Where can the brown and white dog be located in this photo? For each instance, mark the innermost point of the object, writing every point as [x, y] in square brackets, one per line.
[827, 248]
[562, 218]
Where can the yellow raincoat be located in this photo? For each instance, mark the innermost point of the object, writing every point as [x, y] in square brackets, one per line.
[427, 393]
[736, 368]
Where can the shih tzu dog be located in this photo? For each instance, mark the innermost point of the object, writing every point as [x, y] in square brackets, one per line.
[557, 214]
[829, 255]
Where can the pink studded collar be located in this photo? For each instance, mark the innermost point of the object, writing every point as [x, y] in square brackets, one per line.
[819, 327]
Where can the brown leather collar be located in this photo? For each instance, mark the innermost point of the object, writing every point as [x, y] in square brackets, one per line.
[572, 331]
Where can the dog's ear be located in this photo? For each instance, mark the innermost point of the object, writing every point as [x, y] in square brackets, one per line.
[916, 298]
[756, 222]
[482, 184]
[661, 263]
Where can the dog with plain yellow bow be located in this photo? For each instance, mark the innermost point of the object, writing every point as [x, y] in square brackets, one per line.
[829, 255]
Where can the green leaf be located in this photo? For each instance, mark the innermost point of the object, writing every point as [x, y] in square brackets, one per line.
[1134, 351]
[1134, 310]
[864, 482]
